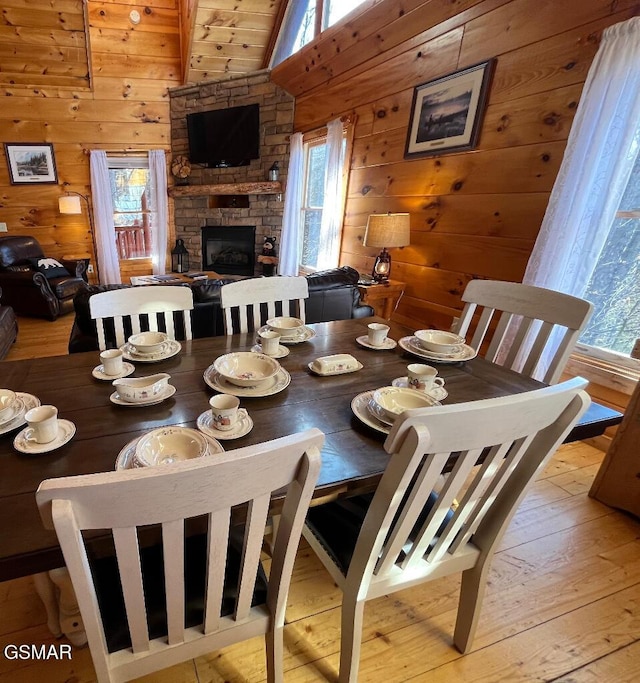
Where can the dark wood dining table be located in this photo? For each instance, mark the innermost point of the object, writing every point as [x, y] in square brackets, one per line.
[353, 457]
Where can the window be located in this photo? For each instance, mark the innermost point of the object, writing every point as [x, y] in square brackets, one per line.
[300, 25]
[614, 288]
[132, 206]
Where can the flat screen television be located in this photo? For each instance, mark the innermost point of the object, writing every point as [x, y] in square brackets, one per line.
[224, 137]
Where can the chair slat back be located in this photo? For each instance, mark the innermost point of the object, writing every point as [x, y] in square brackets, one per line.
[248, 297]
[515, 436]
[167, 495]
[157, 302]
[535, 313]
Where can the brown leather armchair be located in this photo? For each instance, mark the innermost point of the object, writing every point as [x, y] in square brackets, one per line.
[29, 291]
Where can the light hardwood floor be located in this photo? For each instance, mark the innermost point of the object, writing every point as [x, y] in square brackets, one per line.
[563, 603]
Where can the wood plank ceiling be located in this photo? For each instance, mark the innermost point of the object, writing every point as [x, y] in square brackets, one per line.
[226, 38]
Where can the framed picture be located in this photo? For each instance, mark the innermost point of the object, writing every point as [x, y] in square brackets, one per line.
[446, 114]
[30, 163]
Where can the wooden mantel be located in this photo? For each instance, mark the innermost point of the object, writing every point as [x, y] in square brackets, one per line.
[228, 188]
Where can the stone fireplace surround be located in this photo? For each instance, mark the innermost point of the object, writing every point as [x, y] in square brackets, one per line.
[192, 213]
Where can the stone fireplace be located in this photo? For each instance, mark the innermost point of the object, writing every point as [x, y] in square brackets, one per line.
[229, 250]
[263, 210]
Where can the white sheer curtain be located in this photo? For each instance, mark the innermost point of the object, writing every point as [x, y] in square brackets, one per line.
[289, 261]
[331, 226]
[601, 150]
[158, 180]
[105, 232]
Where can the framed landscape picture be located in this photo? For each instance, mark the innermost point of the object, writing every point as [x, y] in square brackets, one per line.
[446, 114]
[30, 163]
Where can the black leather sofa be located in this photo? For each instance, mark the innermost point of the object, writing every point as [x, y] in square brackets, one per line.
[333, 295]
[8, 328]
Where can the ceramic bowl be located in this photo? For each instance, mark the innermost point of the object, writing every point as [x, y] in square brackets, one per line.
[7, 398]
[245, 368]
[392, 401]
[167, 445]
[136, 389]
[286, 326]
[439, 341]
[148, 342]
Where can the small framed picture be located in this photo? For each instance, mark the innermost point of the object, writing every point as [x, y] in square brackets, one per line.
[446, 114]
[30, 163]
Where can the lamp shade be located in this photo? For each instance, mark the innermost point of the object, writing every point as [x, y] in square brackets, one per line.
[69, 204]
[387, 230]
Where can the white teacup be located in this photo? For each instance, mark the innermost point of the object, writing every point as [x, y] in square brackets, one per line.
[423, 377]
[43, 424]
[112, 362]
[224, 411]
[377, 333]
[269, 342]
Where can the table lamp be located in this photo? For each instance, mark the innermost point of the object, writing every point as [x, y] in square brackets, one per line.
[386, 230]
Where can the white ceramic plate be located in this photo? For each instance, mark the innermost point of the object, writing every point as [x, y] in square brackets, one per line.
[66, 430]
[169, 391]
[305, 334]
[378, 413]
[438, 393]
[269, 387]
[412, 345]
[359, 406]
[15, 409]
[98, 372]
[28, 401]
[385, 346]
[243, 426]
[313, 369]
[125, 459]
[169, 349]
[282, 351]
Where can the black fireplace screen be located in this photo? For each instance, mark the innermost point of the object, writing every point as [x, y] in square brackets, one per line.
[229, 250]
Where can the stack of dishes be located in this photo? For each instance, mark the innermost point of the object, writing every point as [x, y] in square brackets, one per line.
[165, 446]
[150, 347]
[380, 408]
[291, 330]
[244, 373]
[13, 406]
[438, 346]
[142, 391]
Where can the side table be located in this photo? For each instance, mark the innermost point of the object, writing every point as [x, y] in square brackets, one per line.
[383, 297]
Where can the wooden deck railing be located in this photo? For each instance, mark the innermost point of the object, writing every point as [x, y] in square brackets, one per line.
[133, 242]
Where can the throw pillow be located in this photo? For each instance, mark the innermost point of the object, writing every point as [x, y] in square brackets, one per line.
[49, 267]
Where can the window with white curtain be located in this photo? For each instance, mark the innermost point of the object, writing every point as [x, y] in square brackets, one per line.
[133, 208]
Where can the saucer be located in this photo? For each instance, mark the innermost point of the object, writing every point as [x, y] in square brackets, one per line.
[98, 372]
[437, 393]
[169, 349]
[28, 401]
[412, 345]
[385, 346]
[243, 426]
[273, 385]
[360, 408]
[125, 459]
[169, 391]
[282, 351]
[66, 430]
[305, 334]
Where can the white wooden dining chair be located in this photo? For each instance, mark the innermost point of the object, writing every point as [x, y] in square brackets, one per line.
[157, 302]
[526, 317]
[267, 297]
[406, 533]
[152, 606]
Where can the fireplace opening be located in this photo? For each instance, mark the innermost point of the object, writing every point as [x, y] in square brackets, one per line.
[229, 250]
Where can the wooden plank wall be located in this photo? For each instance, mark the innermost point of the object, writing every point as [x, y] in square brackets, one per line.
[473, 214]
[124, 105]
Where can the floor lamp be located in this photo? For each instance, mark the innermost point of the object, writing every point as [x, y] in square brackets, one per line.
[70, 204]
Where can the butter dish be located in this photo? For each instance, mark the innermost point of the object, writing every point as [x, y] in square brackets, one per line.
[337, 364]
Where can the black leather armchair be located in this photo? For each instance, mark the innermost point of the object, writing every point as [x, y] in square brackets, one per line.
[8, 328]
[30, 292]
